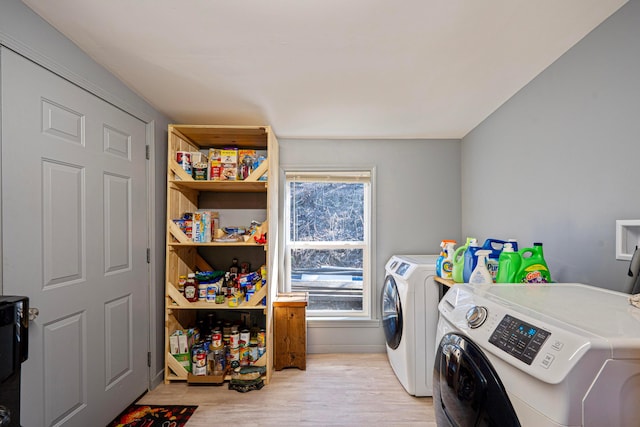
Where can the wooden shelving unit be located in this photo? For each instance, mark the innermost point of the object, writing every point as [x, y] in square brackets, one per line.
[184, 256]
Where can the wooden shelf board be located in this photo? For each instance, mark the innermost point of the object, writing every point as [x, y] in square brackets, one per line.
[248, 243]
[222, 186]
[446, 282]
[218, 136]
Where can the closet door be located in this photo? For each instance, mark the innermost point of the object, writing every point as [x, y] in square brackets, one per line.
[74, 239]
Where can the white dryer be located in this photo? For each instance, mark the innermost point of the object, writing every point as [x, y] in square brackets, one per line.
[556, 354]
[409, 318]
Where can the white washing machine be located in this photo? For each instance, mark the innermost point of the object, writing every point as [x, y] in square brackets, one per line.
[409, 318]
[552, 354]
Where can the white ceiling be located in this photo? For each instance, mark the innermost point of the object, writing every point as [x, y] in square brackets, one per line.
[327, 68]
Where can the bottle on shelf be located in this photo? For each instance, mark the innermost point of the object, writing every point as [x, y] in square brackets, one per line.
[234, 270]
[508, 264]
[191, 288]
[480, 274]
[457, 273]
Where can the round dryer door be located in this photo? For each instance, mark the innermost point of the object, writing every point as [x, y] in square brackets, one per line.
[467, 390]
[391, 313]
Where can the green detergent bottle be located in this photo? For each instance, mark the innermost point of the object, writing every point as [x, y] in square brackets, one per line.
[508, 264]
[457, 273]
[533, 267]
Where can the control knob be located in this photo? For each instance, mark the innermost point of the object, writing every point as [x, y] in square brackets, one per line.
[476, 316]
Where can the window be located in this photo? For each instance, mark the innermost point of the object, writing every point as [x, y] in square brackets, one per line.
[328, 240]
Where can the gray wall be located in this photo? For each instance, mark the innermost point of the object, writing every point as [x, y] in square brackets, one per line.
[417, 204]
[26, 33]
[558, 163]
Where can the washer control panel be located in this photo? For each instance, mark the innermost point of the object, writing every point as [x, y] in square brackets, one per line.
[518, 338]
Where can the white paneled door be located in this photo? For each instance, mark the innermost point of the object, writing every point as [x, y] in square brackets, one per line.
[74, 239]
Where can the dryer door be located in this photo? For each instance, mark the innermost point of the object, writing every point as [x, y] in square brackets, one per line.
[391, 313]
[466, 388]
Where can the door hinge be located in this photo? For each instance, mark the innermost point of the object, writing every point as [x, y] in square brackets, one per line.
[147, 151]
[149, 359]
[148, 255]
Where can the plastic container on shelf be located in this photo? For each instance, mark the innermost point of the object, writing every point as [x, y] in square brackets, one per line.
[495, 246]
[533, 267]
[447, 263]
[470, 260]
[440, 259]
[457, 273]
[481, 274]
[444, 263]
[508, 264]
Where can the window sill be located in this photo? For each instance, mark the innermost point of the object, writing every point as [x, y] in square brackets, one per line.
[341, 322]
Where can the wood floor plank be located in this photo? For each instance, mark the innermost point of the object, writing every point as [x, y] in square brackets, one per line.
[334, 390]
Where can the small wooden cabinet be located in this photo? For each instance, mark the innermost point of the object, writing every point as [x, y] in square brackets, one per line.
[290, 327]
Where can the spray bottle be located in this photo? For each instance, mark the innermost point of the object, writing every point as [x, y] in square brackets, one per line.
[480, 274]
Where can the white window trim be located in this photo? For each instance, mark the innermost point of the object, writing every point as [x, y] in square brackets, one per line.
[367, 316]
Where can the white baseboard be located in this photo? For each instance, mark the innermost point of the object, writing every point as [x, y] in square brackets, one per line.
[336, 348]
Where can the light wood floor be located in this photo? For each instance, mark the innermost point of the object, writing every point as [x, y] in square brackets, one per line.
[335, 390]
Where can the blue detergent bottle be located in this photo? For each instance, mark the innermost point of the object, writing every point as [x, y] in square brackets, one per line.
[440, 260]
[470, 260]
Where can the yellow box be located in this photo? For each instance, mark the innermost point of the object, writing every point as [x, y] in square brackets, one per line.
[229, 156]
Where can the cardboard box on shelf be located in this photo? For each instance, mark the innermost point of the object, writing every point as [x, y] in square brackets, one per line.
[214, 164]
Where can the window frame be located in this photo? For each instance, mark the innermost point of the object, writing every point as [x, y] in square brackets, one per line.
[355, 174]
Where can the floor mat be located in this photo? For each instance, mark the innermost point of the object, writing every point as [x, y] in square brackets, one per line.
[153, 416]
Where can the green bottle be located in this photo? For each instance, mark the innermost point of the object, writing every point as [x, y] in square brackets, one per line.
[533, 267]
[508, 264]
[457, 272]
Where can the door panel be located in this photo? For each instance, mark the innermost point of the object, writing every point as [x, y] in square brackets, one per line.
[74, 241]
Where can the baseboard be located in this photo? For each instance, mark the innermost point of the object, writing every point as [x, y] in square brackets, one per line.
[333, 348]
[156, 380]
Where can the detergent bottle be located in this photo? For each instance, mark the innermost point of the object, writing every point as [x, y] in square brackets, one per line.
[533, 267]
[495, 247]
[508, 264]
[458, 261]
[447, 262]
[440, 259]
[470, 260]
[480, 274]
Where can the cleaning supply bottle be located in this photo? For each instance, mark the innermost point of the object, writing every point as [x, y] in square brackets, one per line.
[447, 262]
[440, 259]
[508, 264]
[470, 260]
[458, 262]
[480, 274]
[533, 267]
[495, 247]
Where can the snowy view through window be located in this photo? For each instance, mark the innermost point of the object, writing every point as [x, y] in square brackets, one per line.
[327, 243]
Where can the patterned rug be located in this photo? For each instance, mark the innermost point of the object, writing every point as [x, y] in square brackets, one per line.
[153, 416]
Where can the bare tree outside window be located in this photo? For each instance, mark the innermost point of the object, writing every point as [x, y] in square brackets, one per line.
[327, 242]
